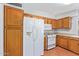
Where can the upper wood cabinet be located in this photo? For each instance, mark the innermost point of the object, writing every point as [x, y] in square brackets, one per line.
[13, 16]
[54, 24]
[59, 24]
[63, 23]
[45, 21]
[49, 21]
[66, 22]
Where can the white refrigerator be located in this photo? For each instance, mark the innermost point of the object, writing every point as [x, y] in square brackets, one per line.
[33, 37]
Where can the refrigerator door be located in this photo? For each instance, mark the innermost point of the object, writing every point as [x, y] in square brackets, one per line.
[33, 37]
[1, 30]
[38, 33]
[28, 37]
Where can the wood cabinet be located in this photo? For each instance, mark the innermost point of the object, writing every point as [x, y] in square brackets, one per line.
[45, 43]
[66, 22]
[62, 41]
[63, 23]
[69, 43]
[49, 21]
[54, 24]
[13, 21]
[13, 16]
[45, 21]
[74, 45]
[59, 24]
[13, 42]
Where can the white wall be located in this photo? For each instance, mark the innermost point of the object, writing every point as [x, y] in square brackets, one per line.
[50, 8]
[67, 8]
[74, 27]
[71, 13]
[1, 29]
[39, 13]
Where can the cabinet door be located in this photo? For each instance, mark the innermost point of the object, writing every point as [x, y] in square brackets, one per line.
[74, 45]
[66, 22]
[13, 16]
[59, 24]
[57, 40]
[54, 24]
[13, 42]
[49, 21]
[45, 21]
[62, 41]
[45, 43]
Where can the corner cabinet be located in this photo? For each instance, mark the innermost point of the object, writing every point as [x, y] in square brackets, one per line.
[63, 23]
[13, 24]
[66, 22]
[62, 41]
[70, 43]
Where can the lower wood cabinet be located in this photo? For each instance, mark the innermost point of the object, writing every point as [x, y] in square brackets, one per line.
[62, 41]
[74, 45]
[13, 42]
[45, 43]
[69, 43]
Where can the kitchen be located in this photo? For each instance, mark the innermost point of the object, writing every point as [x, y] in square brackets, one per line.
[39, 29]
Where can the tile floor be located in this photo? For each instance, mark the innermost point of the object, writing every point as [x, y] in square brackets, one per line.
[58, 51]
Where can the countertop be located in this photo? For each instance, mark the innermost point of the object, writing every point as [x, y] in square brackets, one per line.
[69, 35]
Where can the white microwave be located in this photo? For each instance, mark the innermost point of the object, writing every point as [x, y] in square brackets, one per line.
[47, 27]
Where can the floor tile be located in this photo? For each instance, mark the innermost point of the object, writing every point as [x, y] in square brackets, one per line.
[58, 51]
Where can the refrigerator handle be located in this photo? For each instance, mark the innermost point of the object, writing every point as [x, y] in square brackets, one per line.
[28, 33]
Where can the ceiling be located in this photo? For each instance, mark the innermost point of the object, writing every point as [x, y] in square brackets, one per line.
[50, 8]
[44, 7]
